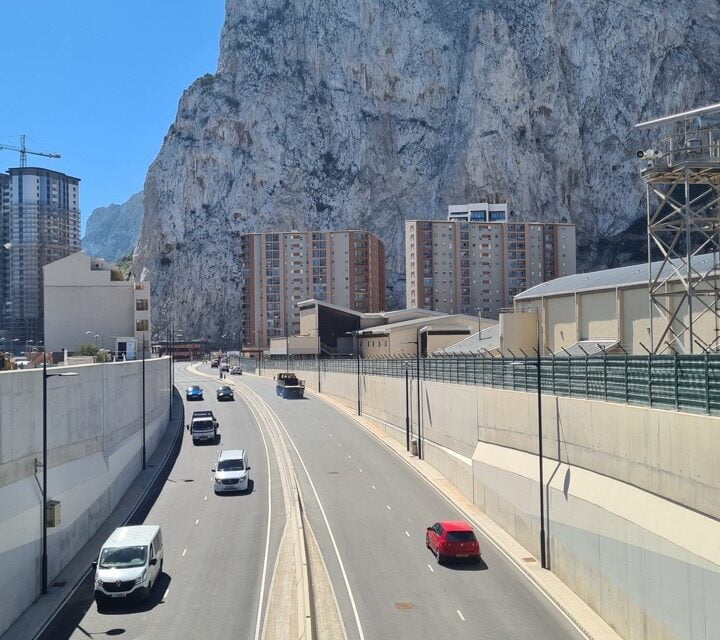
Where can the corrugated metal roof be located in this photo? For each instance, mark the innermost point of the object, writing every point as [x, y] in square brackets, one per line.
[610, 278]
[431, 321]
[488, 339]
[588, 347]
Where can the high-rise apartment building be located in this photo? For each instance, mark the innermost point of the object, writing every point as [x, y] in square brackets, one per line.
[457, 266]
[39, 223]
[278, 270]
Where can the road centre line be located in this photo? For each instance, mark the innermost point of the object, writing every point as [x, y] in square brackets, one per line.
[431, 569]
[462, 617]
[184, 552]
[280, 424]
[197, 521]
[373, 486]
[407, 534]
[389, 508]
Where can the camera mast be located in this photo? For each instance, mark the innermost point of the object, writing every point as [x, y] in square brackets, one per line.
[682, 179]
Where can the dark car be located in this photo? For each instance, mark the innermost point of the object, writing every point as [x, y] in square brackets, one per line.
[225, 393]
[451, 539]
[194, 393]
[214, 363]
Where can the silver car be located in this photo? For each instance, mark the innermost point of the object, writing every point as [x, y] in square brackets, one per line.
[232, 471]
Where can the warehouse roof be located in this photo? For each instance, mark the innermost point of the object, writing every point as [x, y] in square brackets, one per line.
[621, 277]
[487, 339]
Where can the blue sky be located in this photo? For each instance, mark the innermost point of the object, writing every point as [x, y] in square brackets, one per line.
[98, 81]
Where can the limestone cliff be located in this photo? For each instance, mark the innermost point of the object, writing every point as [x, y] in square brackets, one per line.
[338, 114]
[111, 232]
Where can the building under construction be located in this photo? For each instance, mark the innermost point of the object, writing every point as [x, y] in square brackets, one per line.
[39, 223]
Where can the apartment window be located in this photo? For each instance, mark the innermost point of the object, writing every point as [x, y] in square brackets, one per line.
[141, 304]
[142, 325]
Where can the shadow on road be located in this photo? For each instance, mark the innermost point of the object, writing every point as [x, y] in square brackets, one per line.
[123, 606]
[460, 565]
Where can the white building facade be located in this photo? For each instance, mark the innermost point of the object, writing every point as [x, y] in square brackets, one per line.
[88, 302]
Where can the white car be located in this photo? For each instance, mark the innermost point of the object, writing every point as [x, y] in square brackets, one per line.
[232, 471]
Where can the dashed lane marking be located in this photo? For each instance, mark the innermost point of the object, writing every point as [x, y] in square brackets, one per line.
[389, 508]
[407, 534]
[431, 569]
[197, 521]
[184, 552]
[165, 595]
[462, 617]
[373, 486]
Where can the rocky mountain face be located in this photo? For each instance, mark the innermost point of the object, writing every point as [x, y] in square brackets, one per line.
[112, 232]
[337, 114]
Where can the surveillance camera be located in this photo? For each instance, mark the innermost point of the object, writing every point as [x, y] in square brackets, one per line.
[649, 153]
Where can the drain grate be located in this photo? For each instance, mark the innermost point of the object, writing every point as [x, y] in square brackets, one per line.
[404, 605]
[189, 480]
[333, 473]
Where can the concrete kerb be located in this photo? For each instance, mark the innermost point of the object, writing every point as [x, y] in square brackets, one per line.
[587, 622]
[79, 572]
[303, 587]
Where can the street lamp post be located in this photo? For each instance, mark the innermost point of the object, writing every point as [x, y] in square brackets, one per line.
[417, 364]
[541, 478]
[144, 461]
[46, 375]
[407, 406]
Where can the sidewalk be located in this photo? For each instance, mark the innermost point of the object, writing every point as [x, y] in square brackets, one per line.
[575, 610]
[38, 616]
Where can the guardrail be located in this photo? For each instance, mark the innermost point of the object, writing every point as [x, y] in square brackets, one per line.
[680, 382]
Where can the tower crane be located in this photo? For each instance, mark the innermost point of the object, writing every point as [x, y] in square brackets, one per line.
[24, 151]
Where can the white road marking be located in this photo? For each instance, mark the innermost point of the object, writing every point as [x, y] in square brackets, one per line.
[197, 521]
[388, 507]
[462, 617]
[339, 445]
[205, 498]
[356, 615]
[431, 569]
[407, 534]
[184, 552]
[166, 593]
[359, 469]
[373, 486]
[349, 456]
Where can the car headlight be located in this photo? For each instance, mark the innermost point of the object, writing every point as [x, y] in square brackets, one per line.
[98, 583]
[141, 577]
[217, 481]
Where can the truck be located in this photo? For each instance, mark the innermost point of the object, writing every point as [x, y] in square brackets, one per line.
[287, 385]
[203, 427]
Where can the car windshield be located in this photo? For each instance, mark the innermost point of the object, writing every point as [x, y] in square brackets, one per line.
[202, 425]
[224, 389]
[122, 557]
[194, 389]
[460, 536]
[230, 465]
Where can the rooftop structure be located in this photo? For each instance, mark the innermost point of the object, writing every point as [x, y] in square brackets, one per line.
[682, 176]
[478, 212]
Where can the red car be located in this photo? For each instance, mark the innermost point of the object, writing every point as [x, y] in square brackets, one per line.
[452, 539]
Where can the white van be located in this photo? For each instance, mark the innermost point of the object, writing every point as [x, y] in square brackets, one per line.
[129, 564]
[232, 471]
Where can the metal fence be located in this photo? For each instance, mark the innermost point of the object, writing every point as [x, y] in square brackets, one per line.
[681, 382]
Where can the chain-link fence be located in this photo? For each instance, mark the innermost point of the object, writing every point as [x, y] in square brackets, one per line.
[681, 382]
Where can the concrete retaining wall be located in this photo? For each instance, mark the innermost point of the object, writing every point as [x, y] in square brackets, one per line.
[633, 493]
[94, 454]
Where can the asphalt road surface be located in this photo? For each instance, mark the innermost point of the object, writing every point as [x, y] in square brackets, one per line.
[369, 511]
[214, 545]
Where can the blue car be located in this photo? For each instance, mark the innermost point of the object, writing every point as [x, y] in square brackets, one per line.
[194, 393]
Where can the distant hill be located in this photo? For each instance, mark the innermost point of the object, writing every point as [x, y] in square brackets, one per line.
[112, 231]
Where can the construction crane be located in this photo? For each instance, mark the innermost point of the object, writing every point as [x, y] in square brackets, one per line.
[24, 151]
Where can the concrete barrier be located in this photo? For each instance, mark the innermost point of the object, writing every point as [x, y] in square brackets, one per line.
[94, 453]
[632, 492]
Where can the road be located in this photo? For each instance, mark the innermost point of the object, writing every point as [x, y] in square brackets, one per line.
[368, 511]
[214, 545]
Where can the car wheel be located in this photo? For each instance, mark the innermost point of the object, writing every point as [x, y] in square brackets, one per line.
[427, 542]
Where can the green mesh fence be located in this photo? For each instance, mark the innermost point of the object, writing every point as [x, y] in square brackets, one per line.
[682, 382]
